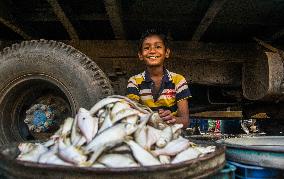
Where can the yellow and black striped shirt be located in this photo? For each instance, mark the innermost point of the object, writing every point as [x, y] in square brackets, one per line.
[173, 89]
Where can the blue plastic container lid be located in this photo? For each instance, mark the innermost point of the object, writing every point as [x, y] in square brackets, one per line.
[254, 172]
[228, 168]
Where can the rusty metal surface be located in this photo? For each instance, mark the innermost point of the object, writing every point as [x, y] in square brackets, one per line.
[262, 78]
[197, 168]
[264, 151]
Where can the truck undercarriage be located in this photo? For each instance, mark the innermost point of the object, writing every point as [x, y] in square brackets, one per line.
[229, 52]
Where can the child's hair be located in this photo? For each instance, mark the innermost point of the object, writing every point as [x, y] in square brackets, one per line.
[151, 32]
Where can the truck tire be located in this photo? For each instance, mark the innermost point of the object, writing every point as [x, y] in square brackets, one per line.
[40, 69]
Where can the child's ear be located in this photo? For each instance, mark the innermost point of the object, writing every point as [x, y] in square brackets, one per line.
[140, 56]
[168, 51]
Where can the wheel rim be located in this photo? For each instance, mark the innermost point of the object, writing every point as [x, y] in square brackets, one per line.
[24, 92]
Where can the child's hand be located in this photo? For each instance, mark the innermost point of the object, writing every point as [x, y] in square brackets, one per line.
[167, 116]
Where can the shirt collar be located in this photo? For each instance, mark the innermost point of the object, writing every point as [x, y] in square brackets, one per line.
[166, 78]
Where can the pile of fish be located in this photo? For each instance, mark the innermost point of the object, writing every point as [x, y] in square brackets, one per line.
[116, 132]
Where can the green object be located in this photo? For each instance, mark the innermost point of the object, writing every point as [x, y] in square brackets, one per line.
[211, 124]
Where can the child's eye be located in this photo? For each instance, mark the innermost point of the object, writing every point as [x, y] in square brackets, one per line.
[158, 46]
[146, 48]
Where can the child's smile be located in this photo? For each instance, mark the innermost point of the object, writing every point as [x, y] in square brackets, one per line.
[153, 51]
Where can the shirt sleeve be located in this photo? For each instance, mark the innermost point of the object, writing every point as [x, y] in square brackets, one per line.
[182, 90]
[132, 90]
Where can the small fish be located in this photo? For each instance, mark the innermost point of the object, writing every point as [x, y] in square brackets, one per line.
[101, 116]
[70, 153]
[142, 108]
[165, 159]
[118, 106]
[131, 119]
[99, 105]
[33, 154]
[87, 124]
[153, 135]
[74, 132]
[55, 160]
[107, 122]
[123, 114]
[141, 155]
[144, 117]
[67, 126]
[46, 156]
[140, 136]
[109, 138]
[120, 149]
[176, 128]
[172, 148]
[156, 121]
[118, 160]
[77, 139]
[165, 137]
[26, 147]
[98, 165]
[185, 155]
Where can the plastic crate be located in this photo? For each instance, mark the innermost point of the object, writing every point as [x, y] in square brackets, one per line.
[255, 172]
[228, 172]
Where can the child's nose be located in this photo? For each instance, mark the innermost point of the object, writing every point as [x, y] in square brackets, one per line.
[152, 49]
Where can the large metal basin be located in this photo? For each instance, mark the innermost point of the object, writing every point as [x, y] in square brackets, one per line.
[197, 168]
[264, 151]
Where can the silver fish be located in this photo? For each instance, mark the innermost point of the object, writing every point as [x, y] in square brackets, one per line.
[107, 122]
[87, 124]
[74, 132]
[118, 160]
[153, 135]
[165, 159]
[26, 147]
[77, 139]
[101, 116]
[70, 153]
[98, 165]
[123, 114]
[141, 155]
[176, 128]
[131, 119]
[185, 155]
[55, 160]
[46, 156]
[140, 136]
[109, 138]
[172, 148]
[118, 106]
[120, 149]
[99, 105]
[165, 137]
[67, 126]
[157, 122]
[33, 154]
[142, 108]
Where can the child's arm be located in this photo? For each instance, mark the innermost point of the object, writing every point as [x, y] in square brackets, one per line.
[182, 114]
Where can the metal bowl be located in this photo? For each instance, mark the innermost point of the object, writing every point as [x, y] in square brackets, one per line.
[197, 168]
[264, 151]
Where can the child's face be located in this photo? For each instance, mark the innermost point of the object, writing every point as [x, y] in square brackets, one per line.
[153, 51]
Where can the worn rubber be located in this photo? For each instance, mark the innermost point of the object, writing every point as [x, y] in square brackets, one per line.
[83, 79]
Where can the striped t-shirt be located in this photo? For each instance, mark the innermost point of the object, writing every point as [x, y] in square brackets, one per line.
[173, 89]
